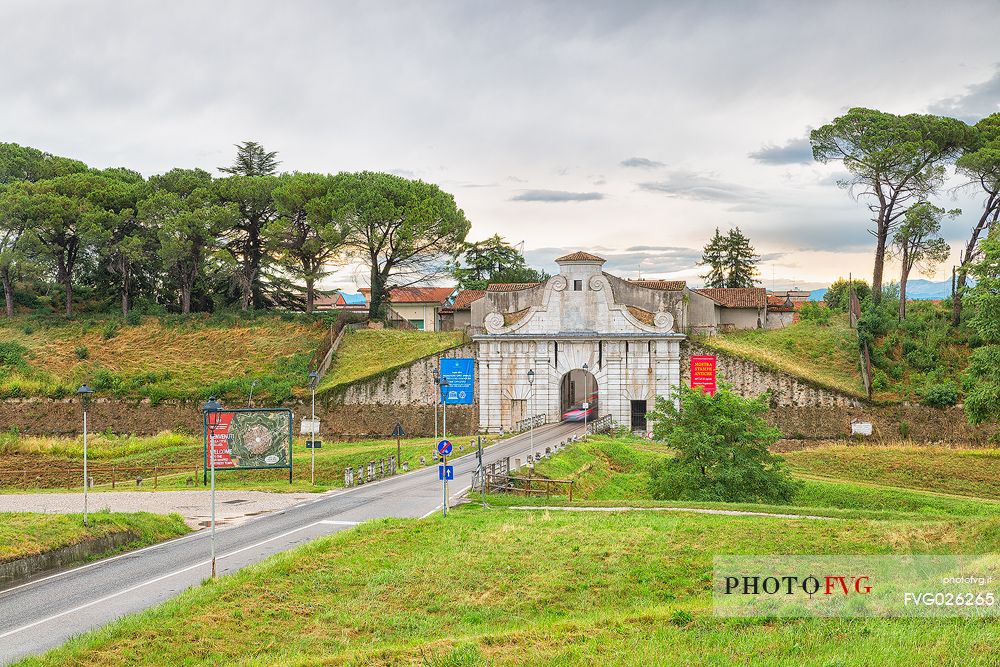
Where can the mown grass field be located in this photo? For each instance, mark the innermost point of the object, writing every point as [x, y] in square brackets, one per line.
[825, 355]
[172, 449]
[508, 587]
[26, 533]
[366, 353]
[169, 357]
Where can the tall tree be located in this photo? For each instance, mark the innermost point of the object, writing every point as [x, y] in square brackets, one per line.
[252, 160]
[187, 218]
[918, 243]
[247, 241]
[982, 404]
[740, 260]
[714, 257]
[494, 260]
[307, 231]
[981, 165]
[894, 160]
[404, 231]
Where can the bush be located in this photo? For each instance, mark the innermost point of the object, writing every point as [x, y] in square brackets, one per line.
[722, 450]
[81, 352]
[943, 395]
[837, 296]
[812, 311]
[134, 318]
[12, 354]
[110, 330]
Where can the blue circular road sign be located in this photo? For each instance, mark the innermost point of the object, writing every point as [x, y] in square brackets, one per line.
[444, 447]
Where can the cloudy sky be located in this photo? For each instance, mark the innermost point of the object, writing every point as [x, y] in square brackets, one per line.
[630, 129]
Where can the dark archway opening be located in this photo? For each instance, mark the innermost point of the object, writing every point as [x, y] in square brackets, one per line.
[578, 388]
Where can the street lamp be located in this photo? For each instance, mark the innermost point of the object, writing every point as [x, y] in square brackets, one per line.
[84, 393]
[586, 395]
[313, 381]
[531, 417]
[444, 408]
[211, 410]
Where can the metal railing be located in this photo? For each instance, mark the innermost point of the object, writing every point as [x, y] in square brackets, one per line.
[114, 475]
[601, 424]
[528, 422]
[528, 486]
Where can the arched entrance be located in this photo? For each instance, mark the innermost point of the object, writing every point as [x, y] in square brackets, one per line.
[578, 387]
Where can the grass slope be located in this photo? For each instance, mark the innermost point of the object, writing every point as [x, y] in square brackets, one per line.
[366, 353]
[171, 449]
[824, 355]
[26, 533]
[170, 357]
[503, 587]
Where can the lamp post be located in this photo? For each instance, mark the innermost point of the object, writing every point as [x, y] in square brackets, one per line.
[531, 417]
[313, 381]
[84, 393]
[444, 436]
[586, 395]
[211, 410]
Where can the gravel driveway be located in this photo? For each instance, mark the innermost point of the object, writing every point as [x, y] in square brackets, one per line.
[231, 507]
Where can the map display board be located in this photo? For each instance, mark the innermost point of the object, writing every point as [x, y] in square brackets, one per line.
[249, 439]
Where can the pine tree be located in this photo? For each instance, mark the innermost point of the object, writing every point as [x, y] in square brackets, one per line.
[713, 256]
[740, 260]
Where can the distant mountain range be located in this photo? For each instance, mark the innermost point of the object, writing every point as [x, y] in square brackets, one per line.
[916, 289]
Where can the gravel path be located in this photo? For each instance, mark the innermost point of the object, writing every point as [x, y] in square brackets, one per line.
[231, 507]
[696, 510]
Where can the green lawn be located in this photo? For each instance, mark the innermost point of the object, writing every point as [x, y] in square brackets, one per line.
[367, 353]
[171, 449]
[169, 357]
[26, 533]
[824, 355]
[504, 587]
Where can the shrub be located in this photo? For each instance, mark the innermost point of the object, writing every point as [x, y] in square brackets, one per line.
[12, 354]
[941, 395]
[81, 352]
[110, 330]
[812, 311]
[134, 318]
[722, 450]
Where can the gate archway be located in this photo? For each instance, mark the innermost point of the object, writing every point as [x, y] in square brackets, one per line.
[576, 388]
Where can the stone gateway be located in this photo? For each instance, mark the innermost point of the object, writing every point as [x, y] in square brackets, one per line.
[587, 337]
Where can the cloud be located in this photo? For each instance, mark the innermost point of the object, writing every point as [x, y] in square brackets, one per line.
[642, 163]
[556, 196]
[978, 101]
[702, 187]
[795, 151]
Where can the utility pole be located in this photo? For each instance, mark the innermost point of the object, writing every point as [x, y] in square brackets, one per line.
[531, 417]
[211, 410]
[313, 381]
[84, 393]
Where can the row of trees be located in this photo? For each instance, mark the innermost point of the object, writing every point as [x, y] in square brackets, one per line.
[731, 260]
[898, 163]
[188, 240]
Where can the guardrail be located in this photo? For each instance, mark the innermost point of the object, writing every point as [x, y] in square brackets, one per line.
[528, 486]
[601, 424]
[528, 422]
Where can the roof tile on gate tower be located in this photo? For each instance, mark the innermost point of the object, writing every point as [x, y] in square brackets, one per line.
[580, 256]
[510, 287]
[736, 297]
[665, 285]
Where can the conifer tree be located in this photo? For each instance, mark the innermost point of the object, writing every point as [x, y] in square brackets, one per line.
[740, 260]
[713, 256]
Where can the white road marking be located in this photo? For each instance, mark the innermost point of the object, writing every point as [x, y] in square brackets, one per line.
[332, 522]
[166, 576]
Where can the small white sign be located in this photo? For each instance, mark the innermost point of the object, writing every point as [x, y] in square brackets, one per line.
[861, 428]
[309, 426]
[586, 405]
[271, 459]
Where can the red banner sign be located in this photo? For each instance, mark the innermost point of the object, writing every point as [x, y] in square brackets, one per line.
[218, 430]
[703, 373]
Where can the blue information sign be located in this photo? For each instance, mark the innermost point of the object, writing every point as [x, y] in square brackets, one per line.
[444, 447]
[460, 377]
[446, 472]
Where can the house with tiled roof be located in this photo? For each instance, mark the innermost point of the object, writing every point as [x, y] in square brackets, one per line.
[356, 303]
[419, 305]
[458, 315]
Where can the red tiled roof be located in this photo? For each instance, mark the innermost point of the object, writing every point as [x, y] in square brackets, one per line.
[736, 297]
[778, 304]
[510, 287]
[415, 294]
[464, 299]
[580, 257]
[667, 285]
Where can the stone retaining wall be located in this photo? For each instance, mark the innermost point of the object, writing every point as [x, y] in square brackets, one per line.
[14, 571]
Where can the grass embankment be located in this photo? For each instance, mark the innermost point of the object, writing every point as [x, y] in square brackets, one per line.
[858, 480]
[824, 355]
[27, 533]
[168, 357]
[504, 587]
[171, 449]
[368, 353]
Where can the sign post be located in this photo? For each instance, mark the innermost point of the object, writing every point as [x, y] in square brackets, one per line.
[398, 433]
[445, 471]
[703, 373]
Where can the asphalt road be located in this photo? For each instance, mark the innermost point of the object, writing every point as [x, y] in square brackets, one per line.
[44, 613]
